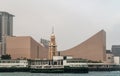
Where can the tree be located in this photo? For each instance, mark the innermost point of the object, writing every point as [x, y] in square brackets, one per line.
[7, 56]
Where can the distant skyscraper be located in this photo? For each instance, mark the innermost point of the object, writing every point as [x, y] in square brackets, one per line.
[45, 42]
[116, 50]
[6, 29]
[52, 46]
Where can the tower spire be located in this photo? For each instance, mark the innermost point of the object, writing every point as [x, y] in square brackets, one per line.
[52, 46]
[53, 30]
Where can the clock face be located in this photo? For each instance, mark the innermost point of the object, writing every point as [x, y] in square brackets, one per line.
[51, 43]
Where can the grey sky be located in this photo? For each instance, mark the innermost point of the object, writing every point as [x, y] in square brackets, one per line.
[74, 20]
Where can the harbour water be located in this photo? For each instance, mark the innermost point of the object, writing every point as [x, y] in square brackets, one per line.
[112, 73]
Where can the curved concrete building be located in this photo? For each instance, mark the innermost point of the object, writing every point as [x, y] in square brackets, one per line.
[92, 49]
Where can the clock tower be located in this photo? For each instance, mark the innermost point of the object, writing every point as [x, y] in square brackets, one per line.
[52, 46]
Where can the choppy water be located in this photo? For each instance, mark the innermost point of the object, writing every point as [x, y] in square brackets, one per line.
[113, 73]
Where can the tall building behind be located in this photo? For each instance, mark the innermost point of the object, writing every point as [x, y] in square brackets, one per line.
[45, 42]
[52, 46]
[116, 50]
[6, 29]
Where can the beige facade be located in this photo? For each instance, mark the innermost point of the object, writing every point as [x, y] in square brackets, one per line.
[92, 49]
[52, 47]
[25, 47]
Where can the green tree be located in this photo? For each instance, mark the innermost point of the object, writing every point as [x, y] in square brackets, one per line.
[7, 56]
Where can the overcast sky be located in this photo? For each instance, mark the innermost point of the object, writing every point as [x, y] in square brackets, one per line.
[74, 20]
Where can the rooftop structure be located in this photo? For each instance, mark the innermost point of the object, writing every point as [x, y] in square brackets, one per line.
[109, 57]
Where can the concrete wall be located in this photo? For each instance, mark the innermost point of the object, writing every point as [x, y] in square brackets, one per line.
[116, 59]
[92, 49]
[25, 47]
[18, 47]
[37, 50]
